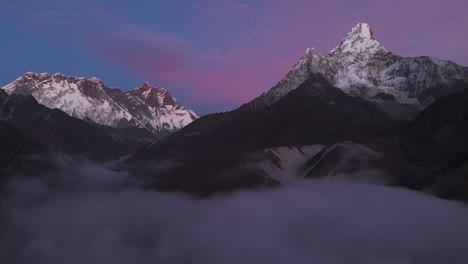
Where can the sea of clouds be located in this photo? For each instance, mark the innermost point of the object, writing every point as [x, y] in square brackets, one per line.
[92, 214]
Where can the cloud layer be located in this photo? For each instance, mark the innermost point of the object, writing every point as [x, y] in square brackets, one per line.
[93, 215]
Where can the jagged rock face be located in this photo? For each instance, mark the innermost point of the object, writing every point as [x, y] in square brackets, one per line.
[160, 111]
[146, 106]
[361, 66]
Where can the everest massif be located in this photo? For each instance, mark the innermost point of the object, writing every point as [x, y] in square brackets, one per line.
[92, 100]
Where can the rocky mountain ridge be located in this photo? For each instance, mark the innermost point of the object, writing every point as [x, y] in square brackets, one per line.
[146, 106]
[361, 66]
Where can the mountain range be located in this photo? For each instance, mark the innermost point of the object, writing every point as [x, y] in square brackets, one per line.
[91, 99]
[358, 113]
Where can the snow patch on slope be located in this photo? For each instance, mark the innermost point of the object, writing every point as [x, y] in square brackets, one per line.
[285, 163]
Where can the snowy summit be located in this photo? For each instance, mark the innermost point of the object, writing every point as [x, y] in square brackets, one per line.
[92, 100]
[360, 39]
[361, 66]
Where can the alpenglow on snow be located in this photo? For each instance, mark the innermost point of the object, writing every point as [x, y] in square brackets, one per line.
[91, 99]
[361, 66]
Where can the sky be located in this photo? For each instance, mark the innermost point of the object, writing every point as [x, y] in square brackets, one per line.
[211, 55]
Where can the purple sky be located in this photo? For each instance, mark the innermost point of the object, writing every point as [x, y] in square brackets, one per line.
[212, 55]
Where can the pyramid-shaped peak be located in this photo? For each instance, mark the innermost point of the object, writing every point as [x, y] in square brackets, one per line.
[363, 30]
[360, 39]
[96, 79]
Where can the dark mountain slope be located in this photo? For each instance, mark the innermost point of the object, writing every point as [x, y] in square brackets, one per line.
[314, 113]
[54, 130]
[13, 145]
[213, 160]
[19, 155]
[437, 141]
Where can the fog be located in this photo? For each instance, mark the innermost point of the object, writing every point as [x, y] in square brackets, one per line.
[91, 214]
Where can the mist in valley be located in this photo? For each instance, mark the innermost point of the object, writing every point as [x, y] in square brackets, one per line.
[92, 214]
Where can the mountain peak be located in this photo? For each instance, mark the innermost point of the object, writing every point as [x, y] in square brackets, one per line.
[146, 86]
[95, 79]
[360, 39]
[146, 106]
[33, 75]
[364, 30]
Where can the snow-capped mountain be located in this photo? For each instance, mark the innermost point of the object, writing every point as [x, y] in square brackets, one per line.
[91, 99]
[360, 93]
[284, 164]
[361, 66]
